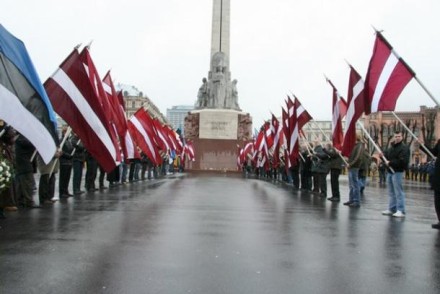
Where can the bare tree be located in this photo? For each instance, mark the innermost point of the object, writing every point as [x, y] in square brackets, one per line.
[428, 128]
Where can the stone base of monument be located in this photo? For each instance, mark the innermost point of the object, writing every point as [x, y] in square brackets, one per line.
[215, 134]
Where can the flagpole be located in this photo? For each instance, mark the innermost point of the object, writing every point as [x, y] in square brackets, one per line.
[302, 157]
[325, 136]
[375, 146]
[308, 147]
[66, 135]
[427, 91]
[74, 149]
[413, 135]
[2, 132]
[339, 153]
[33, 155]
[316, 136]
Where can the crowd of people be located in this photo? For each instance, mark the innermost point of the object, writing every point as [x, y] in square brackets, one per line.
[67, 165]
[309, 172]
[317, 161]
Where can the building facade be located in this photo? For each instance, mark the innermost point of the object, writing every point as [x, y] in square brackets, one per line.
[135, 99]
[424, 124]
[176, 115]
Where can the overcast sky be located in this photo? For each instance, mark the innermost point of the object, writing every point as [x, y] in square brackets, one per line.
[277, 46]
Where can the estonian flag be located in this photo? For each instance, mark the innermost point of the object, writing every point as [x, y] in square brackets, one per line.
[23, 101]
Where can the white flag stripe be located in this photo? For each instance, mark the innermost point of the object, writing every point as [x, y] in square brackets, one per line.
[335, 116]
[26, 124]
[300, 111]
[141, 130]
[107, 88]
[357, 89]
[162, 138]
[64, 81]
[385, 75]
[129, 145]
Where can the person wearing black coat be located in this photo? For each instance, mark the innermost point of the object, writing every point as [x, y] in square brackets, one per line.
[321, 167]
[24, 172]
[66, 162]
[78, 163]
[436, 184]
[336, 164]
[397, 161]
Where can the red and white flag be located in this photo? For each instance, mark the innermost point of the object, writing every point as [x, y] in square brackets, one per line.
[96, 83]
[174, 138]
[188, 150]
[127, 145]
[386, 78]
[268, 134]
[356, 106]
[339, 107]
[163, 141]
[74, 99]
[276, 135]
[294, 136]
[141, 128]
[302, 115]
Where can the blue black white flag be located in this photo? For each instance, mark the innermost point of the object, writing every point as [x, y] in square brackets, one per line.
[23, 101]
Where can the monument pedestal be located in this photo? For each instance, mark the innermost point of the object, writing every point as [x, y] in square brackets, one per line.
[215, 134]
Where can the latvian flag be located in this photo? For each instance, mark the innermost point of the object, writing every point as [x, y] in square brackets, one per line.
[74, 99]
[387, 76]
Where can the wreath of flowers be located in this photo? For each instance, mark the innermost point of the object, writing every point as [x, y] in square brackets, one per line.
[6, 173]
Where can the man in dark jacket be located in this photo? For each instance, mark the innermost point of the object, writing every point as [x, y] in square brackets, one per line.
[320, 168]
[354, 163]
[24, 172]
[78, 163]
[397, 162]
[335, 164]
[65, 166]
[436, 184]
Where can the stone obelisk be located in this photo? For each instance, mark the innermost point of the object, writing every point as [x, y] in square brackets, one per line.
[218, 124]
[221, 19]
[218, 91]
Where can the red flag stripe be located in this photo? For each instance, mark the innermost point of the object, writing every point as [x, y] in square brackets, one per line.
[356, 106]
[386, 78]
[151, 150]
[75, 100]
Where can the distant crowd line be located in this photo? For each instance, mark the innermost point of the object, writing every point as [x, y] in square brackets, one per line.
[310, 170]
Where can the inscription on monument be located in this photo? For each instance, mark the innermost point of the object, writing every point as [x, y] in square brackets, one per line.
[218, 125]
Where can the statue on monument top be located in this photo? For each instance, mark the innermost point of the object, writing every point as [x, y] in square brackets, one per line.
[202, 95]
[219, 91]
[218, 81]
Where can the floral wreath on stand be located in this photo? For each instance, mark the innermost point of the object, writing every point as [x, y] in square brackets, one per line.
[6, 173]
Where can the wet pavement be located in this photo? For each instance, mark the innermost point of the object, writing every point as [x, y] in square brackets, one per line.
[221, 233]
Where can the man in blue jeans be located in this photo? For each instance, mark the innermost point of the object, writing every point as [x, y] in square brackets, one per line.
[397, 159]
[354, 163]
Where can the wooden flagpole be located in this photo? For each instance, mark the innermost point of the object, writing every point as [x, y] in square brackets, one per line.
[427, 91]
[66, 135]
[375, 146]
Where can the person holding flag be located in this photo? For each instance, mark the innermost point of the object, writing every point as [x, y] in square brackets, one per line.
[354, 163]
[436, 183]
[398, 160]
